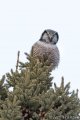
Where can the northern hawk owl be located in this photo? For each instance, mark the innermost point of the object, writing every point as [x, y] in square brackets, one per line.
[45, 48]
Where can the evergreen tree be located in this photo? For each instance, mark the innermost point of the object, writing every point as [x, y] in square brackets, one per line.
[32, 97]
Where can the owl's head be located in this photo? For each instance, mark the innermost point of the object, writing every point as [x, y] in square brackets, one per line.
[49, 36]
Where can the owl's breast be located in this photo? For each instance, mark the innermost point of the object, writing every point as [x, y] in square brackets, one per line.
[49, 51]
[41, 48]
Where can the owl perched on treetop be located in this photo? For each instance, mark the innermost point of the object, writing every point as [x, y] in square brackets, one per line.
[45, 48]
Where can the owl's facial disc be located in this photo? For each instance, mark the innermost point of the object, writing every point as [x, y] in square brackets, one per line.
[54, 39]
[49, 36]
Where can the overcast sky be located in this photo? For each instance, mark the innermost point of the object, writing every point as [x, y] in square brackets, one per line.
[21, 25]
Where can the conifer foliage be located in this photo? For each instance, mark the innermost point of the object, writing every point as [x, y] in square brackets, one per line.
[32, 97]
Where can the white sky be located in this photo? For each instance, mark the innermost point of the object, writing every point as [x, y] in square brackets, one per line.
[21, 25]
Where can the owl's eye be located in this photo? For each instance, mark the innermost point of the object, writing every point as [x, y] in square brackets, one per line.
[54, 39]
